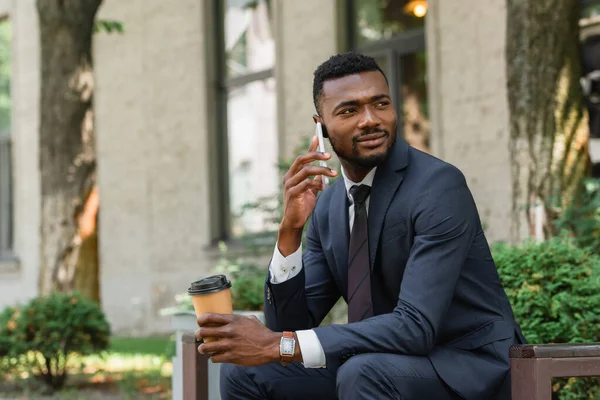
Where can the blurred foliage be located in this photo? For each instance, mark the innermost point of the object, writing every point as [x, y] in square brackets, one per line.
[247, 278]
[553, 289]
[590, 10]
[131, 368]
[581, 217]
[273, 205]
[108, 26]
[247, 291]
[45, 333]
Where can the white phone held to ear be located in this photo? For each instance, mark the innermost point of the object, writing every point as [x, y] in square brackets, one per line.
[322, 163]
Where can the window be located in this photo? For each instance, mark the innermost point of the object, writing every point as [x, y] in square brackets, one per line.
[248, 127]
[6, 223]
[393, 32]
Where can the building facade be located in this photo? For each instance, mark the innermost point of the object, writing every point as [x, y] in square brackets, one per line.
[198, 100]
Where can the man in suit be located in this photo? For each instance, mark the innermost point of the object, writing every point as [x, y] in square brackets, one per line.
[398, 236]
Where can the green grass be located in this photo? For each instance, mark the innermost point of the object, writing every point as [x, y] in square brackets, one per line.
[149, 346]
[132, 368]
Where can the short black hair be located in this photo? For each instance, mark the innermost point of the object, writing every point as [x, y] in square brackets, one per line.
[341, 65]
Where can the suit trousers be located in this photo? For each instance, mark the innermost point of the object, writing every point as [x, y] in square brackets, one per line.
[364, 376]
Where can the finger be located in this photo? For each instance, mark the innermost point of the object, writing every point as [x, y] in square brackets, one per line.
[306, 172]
[307, 184]
[215, 332]
[319, 182]
[212, 318]
[221, 358]
[218, 346]
[305, 159]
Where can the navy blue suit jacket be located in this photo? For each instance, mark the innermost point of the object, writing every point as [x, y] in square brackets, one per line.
[436, 291]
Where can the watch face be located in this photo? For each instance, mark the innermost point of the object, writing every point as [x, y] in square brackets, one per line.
[287, 346]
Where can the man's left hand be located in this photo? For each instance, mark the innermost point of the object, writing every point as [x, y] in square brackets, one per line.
[243, 341]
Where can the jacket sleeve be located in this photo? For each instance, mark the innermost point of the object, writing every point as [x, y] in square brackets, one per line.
[304, 300]
[445, 221]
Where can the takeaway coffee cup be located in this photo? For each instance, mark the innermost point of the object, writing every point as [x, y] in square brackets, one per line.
[211, 294]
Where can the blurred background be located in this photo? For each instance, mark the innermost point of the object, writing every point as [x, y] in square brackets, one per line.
[142, 145]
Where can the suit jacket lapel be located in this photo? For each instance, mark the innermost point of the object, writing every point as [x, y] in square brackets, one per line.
[387, 180]
[339, 229]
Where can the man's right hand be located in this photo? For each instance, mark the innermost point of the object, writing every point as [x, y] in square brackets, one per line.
[300, 196]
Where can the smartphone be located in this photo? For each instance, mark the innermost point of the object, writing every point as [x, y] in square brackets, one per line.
[322, 163]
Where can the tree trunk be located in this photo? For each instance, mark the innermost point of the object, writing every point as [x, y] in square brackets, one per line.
[69, 254]
[547, 124]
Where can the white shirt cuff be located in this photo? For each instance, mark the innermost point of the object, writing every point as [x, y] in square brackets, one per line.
[285, 268]
[313, 355]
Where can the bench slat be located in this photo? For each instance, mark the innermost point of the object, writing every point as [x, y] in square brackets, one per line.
[559, 350]
[569, 367]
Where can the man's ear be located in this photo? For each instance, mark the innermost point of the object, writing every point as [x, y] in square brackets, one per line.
[318, 119]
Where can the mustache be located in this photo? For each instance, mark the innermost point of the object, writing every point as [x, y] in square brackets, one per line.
[369, 132]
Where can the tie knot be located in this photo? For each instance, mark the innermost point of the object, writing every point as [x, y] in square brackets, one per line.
[360, 193]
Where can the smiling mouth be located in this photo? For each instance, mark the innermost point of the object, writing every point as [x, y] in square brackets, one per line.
[372, 140]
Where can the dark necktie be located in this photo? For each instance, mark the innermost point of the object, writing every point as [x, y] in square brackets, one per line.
[359, 272]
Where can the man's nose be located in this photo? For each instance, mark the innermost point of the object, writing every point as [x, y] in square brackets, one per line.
[369, 119]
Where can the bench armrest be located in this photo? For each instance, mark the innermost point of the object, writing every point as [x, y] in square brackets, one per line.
[562, 350]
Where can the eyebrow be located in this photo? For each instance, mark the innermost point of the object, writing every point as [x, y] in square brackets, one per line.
[356, 102]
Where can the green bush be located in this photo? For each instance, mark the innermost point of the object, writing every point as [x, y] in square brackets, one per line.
[47, 331]
[247, 292]
[248, 280]
[247, 287]
[6, 341]
[553, 287]
[6, 329]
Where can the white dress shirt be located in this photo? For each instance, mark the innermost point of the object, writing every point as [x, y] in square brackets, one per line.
[284, 268]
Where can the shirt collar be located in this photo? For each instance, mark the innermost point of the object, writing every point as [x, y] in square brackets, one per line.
[367, 180]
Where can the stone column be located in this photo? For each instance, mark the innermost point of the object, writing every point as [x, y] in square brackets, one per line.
[468, 101]
[152, 135]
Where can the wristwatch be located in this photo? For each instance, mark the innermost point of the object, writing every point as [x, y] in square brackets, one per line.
[287, 346]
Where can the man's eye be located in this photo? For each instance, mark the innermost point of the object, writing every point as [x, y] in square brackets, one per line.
[383, 103]
[347, 111]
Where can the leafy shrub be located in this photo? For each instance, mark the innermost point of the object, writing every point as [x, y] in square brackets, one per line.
[248, 280]
[6, 328]
[247, 292]
[553, 287]
[6, 341]
[247, 287]
[48, 330]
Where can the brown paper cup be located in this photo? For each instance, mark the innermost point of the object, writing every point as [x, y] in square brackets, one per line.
[213, 295]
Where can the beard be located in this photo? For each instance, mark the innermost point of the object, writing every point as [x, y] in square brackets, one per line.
[364, 161]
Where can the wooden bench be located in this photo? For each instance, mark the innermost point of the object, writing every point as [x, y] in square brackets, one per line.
[534, 366]
[195, 370]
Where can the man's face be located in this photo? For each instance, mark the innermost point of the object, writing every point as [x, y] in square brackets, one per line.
[360, 119]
